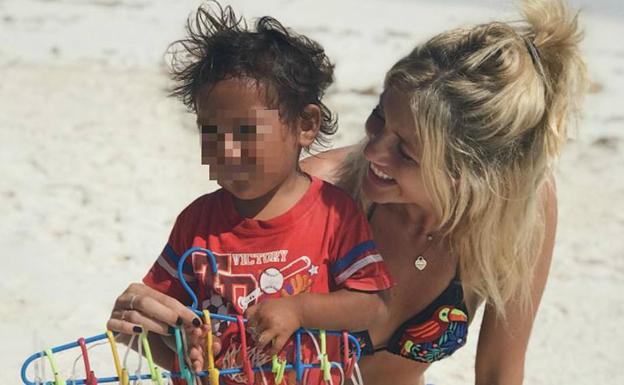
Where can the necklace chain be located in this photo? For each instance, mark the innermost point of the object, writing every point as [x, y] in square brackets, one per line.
[420, 263]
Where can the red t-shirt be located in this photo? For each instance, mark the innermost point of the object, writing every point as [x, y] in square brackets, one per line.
[321, 244]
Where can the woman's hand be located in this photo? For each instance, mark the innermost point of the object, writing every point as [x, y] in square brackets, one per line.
[141, 307]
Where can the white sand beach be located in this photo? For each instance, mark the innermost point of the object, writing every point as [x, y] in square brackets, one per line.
[96, 162]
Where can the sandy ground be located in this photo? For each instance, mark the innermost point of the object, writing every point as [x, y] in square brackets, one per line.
[95, 162]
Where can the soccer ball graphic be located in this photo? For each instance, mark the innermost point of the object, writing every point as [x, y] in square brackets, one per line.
[216, 304]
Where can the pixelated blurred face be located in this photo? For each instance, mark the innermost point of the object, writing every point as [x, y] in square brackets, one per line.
[249, 149]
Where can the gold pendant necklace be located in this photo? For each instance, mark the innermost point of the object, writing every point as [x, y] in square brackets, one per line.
[420, 263]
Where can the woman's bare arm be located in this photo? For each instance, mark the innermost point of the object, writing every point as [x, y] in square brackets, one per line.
[502, 346]
[326, 164]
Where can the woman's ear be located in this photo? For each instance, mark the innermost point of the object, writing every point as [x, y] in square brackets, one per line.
[308, 125]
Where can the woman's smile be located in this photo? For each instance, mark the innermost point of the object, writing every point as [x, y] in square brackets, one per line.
[378, 177]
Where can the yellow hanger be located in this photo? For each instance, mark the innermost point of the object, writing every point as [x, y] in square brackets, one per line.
[213, 373]
[154, 371]
[57, 377]
[325, 365]
[124, 379]
[278, 367]
[113, 345]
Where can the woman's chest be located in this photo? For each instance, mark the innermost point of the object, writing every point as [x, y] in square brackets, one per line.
[414, 289]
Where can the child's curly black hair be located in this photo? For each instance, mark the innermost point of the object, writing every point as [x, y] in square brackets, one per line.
[219, 45]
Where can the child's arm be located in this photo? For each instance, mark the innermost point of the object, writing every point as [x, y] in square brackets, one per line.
[277, 319]
[358, 279]
[197, 346]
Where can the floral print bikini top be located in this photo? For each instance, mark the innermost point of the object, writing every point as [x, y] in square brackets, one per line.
[435, 333]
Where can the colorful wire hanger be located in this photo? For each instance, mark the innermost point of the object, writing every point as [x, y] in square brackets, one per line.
[348, 360]
[184, 370]
[113, 344]
[57, 377]
[90, 378]
[213, 372]
[155, 375]
[243, 350]
[278, 367]
[325, 365]
[125, 376]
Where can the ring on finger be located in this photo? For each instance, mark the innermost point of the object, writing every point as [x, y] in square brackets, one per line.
[132, 302]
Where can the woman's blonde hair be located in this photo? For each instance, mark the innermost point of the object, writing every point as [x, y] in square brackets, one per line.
[491, 105]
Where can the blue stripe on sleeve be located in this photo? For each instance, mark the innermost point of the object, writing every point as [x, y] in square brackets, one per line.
[344, 262]
[172, 257]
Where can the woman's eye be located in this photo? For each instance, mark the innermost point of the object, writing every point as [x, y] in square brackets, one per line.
[247, 129]
[403, 154]
[208, 129]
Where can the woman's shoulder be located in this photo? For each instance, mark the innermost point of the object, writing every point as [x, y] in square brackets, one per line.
[548, 196]
[326, 165]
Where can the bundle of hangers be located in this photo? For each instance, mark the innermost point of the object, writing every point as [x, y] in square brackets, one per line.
[348, 367]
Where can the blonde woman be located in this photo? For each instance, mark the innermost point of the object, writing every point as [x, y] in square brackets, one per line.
[456, 177]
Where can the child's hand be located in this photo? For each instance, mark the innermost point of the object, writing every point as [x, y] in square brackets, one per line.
[274, 320]
[196, 345]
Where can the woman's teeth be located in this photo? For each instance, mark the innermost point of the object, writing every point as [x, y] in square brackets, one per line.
[380, 174]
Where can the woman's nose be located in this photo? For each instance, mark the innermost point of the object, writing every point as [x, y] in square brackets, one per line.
[377, 149]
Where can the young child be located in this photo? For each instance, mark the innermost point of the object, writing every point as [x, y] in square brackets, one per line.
[292, 251]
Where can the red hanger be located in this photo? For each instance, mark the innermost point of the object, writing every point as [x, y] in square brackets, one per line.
[90, 379]
[348, 362]
[244, 357]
